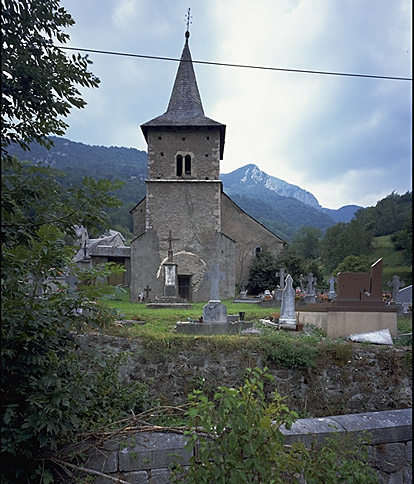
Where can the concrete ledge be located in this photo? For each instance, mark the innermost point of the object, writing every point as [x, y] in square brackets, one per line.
[384, 427]
[343, 323]
[153, 450]
[147, 457]
[212, 328]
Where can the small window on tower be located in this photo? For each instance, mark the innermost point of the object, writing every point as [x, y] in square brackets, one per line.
[179, 165]
[257, 251]
[187, 164]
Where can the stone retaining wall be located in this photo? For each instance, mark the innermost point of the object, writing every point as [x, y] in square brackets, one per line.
[352, 378]
[148, 456]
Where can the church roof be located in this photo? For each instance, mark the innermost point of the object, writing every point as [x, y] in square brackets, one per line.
[185, 108]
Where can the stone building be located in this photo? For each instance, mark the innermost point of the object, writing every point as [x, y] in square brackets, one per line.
[185, 208]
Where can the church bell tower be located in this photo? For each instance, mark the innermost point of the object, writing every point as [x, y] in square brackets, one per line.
[183, 196]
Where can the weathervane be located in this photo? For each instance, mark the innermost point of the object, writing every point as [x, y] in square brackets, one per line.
[187, 17]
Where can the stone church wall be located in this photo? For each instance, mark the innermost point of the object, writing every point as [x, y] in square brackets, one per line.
[138, 218]
[148, 271]
[249, 234]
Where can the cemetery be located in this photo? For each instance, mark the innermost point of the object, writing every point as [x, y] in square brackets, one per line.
[147, 362]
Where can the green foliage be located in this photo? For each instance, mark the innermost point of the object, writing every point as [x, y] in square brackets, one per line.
[306, 242]
[293, 264]
[354, 263]
[38, 79]
[262, 272]
[336, 460]
[77, 160]
[343, 240]
[237, 438]
[388, 216]
[285, 352]
[48, 391]
[239, 442]
[403, 241]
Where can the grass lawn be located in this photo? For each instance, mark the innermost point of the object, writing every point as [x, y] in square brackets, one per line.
[160, 323]
[163, 320]
[393, 262]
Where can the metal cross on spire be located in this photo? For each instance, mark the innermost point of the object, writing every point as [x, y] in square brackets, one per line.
[188, 21]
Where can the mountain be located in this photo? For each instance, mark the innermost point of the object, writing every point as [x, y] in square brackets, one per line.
[250, 179]
[343, 214]
[278, 205]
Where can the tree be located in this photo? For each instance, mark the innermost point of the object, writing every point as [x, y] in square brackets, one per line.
[306, 242]
[403, 241]
[262, 272]
[38, 79]
[342, 240]
[353, 263]
[48, 392]
[292, 262]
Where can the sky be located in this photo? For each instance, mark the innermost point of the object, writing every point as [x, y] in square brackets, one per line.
[347, 140]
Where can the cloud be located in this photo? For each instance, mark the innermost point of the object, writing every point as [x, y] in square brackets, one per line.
[314, 131]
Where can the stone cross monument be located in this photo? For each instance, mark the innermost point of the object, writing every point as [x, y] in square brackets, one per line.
[287, 311]
[332, 293]
[395, 284]
[214, 311]
[214, 276]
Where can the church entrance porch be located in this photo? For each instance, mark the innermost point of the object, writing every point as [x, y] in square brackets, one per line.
[184, 287]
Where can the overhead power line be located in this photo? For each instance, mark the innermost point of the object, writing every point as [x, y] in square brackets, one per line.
[283, 69]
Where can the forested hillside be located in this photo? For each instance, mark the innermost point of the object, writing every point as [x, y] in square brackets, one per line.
[283, 215]
[77, 160]
[383, 231]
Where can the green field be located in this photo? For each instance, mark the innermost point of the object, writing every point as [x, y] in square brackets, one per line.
[393, 263]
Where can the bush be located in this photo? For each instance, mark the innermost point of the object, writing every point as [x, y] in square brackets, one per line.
[237, 438]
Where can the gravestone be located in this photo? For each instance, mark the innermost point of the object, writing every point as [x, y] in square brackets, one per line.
[214, 311]
[287, 311]
[310, 296]
[281, 274]
[301, 280]
[332, 293]
[404, 301]
[310, 284]
[359, 289]
[396, 284]
[71, 280]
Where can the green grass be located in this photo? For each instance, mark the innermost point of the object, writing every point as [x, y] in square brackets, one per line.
[393, 261]
[405, 325]
[159, 338]
[163, 320]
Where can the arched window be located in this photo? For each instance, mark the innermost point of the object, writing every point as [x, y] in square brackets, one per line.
[257, 251]
[179, 165]
[187, 164]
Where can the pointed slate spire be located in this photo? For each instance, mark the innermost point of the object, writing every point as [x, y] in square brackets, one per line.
[185, 107]
[185, 101]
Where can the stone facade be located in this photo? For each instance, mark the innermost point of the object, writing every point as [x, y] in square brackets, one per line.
[184, 195]
[249, 235]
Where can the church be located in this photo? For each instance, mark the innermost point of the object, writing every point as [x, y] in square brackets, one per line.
[186, 223]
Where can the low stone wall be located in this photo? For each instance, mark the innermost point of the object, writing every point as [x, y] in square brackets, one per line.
[149, 455]
[350, 378]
